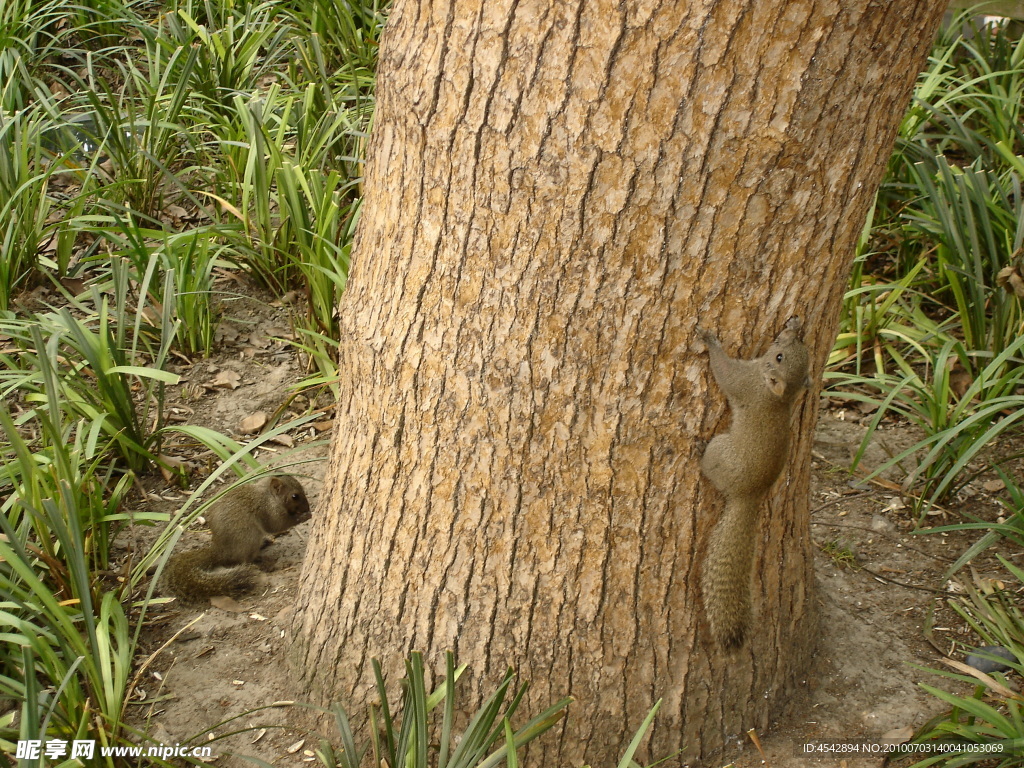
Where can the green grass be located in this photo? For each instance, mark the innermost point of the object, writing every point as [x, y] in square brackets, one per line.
[24, 205]
[986, 726]
[930, 333]
[412, 736]
[143, 149]
[62, 628]
[958, 425]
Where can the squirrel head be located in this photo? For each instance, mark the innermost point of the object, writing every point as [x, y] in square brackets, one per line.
[290, 491]
[787, 361]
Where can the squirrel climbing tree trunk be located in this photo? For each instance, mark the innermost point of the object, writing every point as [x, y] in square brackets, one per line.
[558, 192]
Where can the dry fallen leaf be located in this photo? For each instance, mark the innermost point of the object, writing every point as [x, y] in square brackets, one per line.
[48, 245]
[898, 736]
[74, 285]
[279, 332]
[895, 504]
[227, 380]
[152, 312]
[993, 486]
[225, 333]
[253, 423]
[226, 603]
[323, 426]
[176, 211]
[1009, 278]
[993, 686]
[172, 467]
[289, 298]
[286, 440]
[295, 747]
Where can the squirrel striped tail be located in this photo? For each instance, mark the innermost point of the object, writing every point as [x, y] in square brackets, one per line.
[194, 576]
[726, 574]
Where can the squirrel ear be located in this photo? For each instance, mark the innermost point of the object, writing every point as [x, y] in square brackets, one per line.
[775, 385]
[276, 483]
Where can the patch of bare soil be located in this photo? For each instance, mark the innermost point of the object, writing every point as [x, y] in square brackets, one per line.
[879, 585]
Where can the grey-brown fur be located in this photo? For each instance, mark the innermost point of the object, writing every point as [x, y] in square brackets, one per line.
[241, 523]
[742, 464]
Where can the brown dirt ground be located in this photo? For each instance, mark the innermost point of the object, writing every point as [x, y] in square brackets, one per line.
[230, 662]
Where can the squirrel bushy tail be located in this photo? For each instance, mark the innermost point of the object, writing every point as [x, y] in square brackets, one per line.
[726, 573]
[191, 575]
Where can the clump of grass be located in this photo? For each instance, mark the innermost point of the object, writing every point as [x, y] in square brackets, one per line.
[929, 333]
[25, 205]
[236, 48]
[406, 741]
[970, 220]
[189, 260]
[31, 32]
[322, 225]
[417, 740]
[839, 553]
[68, 648]
[959, 423]
[986, 726]
[81, 368]
[343, 37]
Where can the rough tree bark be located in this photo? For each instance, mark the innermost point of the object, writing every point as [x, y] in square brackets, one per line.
[557, 192]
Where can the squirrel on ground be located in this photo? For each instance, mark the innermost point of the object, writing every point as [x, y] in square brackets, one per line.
[241, 523]
[742, 464]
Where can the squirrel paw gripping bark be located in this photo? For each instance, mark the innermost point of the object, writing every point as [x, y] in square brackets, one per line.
[240, 523]
[742, 464]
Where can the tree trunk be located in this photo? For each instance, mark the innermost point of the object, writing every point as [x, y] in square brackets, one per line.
[557, 194]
